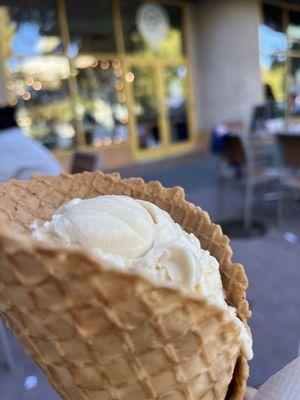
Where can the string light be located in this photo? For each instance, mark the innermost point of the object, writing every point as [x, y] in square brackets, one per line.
[26, 96]
[29, 81]
[94, 63]
[37, 85]
[10, 85]
[121, 98]
[117, 139]
[13, 101]
[20, 91]
[129, 77]
[104, 64]
[107, 141]
[119, 85]
[116, 64]
[97, 142]
[118, 72]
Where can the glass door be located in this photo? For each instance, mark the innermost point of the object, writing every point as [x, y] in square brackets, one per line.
[146, 119]
[158, 107]
[146, 107]
[176, 98]
[158, 94]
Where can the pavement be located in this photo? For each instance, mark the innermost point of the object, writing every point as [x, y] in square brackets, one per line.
[272, 263]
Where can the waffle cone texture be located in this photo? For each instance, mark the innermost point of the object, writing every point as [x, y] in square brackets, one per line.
[104, 334]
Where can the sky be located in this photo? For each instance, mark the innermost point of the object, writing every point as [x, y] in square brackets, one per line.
[271, 41]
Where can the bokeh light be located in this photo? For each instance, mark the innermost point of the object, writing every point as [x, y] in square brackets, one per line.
[107, 141]
[37, 85]
[29, 81]
[104, 64]
[129, 77]
[119, 85]
[116, 64]
[26, 96]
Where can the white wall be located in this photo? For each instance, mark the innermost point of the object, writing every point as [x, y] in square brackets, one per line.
[225, 62]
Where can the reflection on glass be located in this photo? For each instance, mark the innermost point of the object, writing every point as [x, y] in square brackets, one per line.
[45, 113]
[102, 100]
[33, 31]
[293, 30]
[273, 46]
[176, 92]
[91, 26]
[294, 87]
[272, 39]
[145, 106]
[133, 21]
[37, 73]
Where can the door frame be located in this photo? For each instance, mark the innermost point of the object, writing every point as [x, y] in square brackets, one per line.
[167, 148]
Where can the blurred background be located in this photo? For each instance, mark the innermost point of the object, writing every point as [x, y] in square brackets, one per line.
[204, 94]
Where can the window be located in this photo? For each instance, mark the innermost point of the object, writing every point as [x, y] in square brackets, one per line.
[91, 26]
[273, 48]
[279, 41]
[102, 100]
[88, 72]
[293, 30]
[145, 107]
[38, 73]
[176, 91]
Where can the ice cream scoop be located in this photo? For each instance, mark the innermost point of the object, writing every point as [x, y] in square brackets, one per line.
[138, 235]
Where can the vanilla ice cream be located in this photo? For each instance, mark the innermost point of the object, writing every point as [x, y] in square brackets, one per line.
[137, 235]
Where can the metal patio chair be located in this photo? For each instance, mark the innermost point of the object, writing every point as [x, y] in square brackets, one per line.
[238, 153]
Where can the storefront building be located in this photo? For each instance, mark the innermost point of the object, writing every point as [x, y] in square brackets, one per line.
[137, 80]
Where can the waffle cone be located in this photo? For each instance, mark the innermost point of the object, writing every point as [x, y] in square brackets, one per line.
[101, 334]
